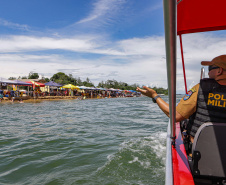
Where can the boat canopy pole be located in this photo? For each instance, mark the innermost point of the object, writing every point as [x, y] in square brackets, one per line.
[182, 57]
[170, 11]
[202, 73]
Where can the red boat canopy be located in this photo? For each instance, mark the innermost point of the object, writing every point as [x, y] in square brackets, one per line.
[200, 16]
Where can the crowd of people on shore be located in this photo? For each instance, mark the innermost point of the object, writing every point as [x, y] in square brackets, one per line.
[20, 95]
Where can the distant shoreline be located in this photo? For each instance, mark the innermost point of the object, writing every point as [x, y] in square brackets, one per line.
[28, 99]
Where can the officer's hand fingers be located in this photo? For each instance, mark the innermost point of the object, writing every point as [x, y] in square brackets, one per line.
[147, 88]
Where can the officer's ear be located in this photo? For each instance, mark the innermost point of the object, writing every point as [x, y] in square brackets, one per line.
[220, 71]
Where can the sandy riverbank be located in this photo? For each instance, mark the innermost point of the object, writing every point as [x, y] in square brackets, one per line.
[28, 99]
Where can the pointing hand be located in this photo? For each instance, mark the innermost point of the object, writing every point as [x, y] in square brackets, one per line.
[147, 91]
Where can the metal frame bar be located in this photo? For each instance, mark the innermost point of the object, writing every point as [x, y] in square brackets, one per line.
[170, 14]
[182, 57]
[202, 73]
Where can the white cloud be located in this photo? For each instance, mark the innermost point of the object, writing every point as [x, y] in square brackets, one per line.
[102, 9]
[143, 46]
[27, 43]
[87, 44]
[13, 25]
[137, 60]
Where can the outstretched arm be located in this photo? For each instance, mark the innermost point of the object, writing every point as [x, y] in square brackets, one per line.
[161, 103]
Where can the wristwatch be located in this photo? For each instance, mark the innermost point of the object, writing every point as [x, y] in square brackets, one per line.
[155, 98]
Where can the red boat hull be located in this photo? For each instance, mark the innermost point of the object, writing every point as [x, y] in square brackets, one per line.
[181, 170]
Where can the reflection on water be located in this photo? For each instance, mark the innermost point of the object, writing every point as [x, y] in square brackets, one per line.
[104, 141]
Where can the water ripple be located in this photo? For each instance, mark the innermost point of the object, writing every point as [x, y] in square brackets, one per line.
[105, 141]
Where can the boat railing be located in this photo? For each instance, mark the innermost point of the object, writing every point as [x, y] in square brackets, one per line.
[170, 8]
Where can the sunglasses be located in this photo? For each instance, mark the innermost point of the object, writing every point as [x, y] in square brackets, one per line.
[212, 67]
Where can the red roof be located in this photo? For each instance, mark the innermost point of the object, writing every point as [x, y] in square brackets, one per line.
[200, 15]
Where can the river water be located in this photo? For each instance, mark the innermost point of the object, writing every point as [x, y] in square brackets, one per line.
[93, 141]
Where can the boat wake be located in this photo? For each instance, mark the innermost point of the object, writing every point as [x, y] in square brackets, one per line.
[138, 161]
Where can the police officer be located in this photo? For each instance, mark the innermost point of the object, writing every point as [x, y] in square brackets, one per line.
[205, 102]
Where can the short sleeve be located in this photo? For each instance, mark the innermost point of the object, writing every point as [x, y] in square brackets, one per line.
[187, 105]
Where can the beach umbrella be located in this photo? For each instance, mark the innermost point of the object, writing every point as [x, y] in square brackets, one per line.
[111, 89]
[91, 88]
[18, 82]
[5, 81]
[34, 84]
[83, 87]
[101, 89]
[132, 91]
[70, 86]
[53, 84]
[127, 91]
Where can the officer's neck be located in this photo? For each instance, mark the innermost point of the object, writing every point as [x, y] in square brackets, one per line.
[221, 79]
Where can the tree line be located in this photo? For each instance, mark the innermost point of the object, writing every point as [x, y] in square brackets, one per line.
[63, 78]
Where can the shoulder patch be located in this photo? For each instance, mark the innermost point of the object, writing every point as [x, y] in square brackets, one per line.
[188, 95]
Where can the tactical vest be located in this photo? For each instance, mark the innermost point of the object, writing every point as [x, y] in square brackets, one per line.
[211, 104]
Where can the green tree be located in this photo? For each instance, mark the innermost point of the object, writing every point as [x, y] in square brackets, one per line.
[79, 81]
[12, 78]
[33, 75]
[88, 83]
[101, 84]
[125, 86]
[46, 79]
[72, 79]
[161, 90]
[60, 77]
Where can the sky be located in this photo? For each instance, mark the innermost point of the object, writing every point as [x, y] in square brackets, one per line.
[103, 40]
